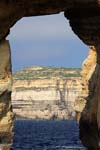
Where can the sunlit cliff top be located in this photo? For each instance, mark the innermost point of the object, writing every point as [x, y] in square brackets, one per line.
[40, 72]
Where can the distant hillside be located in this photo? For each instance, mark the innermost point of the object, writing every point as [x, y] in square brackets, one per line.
[38, 72]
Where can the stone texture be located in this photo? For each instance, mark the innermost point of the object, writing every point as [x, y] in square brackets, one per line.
[16, 9]
[6, 115]
[89, 122]
[52, 98]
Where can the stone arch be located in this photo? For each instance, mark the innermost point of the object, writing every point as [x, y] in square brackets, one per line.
[84, 19]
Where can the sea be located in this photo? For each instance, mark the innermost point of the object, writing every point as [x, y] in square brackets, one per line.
[46, 135]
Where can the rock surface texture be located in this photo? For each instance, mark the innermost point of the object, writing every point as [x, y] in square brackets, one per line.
[6, 115]
[89, 97]
[50, 95]
[90, 117]
[84, 16]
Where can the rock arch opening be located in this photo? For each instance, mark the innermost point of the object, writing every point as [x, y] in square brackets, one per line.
[56, 37]
[46, 42]
[84, 19]
[58, 52]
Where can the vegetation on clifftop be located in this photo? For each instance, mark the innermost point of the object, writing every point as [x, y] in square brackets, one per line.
[38, 72]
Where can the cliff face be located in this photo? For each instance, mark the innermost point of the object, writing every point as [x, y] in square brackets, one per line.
[90, 116]
[6, 114]
[51, 96]
[88, 68]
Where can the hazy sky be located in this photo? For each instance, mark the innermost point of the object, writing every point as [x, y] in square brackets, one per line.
[46, 41]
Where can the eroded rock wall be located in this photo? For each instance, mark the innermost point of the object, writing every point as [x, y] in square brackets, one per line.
[46, 98]
[13, 10]
[88, 68]
[90, 115]
[6, 114]
[89, 132]
[86, 26]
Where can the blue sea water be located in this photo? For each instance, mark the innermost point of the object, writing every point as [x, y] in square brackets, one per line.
[46, 135]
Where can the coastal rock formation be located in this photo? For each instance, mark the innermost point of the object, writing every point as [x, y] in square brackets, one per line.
[90, 117]
[89, 97]
[6, 115]
[84, 19]
[88, 68]
[46, 93]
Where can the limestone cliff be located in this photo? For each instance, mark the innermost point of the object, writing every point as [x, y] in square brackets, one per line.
[88, 68]
[90, 116]
[46, 92]
[6, 114]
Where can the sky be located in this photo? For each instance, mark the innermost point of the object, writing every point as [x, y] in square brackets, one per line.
[45, 41]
